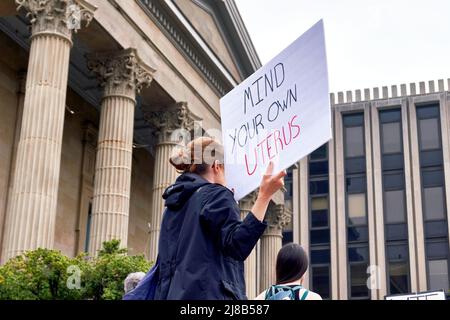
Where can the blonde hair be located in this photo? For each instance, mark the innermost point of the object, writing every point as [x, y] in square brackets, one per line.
[197, 155]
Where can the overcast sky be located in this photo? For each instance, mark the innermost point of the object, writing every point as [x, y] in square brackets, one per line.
[369, 42]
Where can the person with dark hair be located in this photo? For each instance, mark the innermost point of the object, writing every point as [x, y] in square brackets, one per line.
[292, 263]
[203, 241]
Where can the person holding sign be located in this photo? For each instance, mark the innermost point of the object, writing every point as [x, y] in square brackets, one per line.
[203, 243]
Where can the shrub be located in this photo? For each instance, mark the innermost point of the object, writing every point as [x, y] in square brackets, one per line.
[105, 280]
[49, 275]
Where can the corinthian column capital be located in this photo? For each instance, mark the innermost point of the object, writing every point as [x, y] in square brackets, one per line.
[121, 73]
[57, 16]
[277, 218]
[246, 203]
[173, 124]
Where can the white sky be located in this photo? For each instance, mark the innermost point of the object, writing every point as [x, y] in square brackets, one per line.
[370, 43]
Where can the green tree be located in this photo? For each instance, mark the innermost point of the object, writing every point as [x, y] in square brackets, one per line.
[49, 275]
[41, 275]
[106, 277]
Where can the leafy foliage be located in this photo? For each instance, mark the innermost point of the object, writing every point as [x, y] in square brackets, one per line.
[49, 275]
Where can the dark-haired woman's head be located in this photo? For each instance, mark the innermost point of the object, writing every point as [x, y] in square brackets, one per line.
[292, 263]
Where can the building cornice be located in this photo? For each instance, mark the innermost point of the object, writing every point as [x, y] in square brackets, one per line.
[171, 23]
[392, 92]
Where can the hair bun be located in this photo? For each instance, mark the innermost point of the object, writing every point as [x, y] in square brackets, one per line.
[180, 160]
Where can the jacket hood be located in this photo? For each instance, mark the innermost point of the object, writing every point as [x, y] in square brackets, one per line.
[184, 187]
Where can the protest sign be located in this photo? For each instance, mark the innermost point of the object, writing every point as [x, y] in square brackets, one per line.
[281, 113]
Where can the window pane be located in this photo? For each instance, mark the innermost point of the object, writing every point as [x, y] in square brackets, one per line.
[356, 184]
[321, 236]
[438, 274]
[394, 181]
[321, 281]
[318, 168]
[319, 212]
[356, 209]
[357, 234]
[356, 254]
[434, 178]
[394, 115]
[320, 153]
[318, 187]
[358, 280]
[429, 134]
[398, 277]
[320, 256]
[391, 142]
[394, 206]
[437, 250]
[434, 203]
[397, 252]
[354, 142]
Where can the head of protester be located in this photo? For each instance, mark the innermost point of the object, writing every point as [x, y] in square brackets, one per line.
[203, 241]
[291, 265]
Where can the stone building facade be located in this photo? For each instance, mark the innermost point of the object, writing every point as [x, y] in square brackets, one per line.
[92, 92]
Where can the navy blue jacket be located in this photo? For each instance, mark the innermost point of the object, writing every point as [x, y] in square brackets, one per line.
[203, 242]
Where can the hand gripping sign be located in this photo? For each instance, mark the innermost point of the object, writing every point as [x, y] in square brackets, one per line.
[281, 113]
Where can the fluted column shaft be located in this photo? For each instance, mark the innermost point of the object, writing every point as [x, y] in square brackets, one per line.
[32, 213]
[271, 243]
[119, 73]
[171, 124]
[164, 175]
[250, 264]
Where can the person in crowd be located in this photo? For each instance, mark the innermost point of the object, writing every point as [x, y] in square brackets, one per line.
[132, 280]
[203, 242]
[291, 265]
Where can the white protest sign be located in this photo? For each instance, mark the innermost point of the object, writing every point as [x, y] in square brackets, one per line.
[281, 113]
[430, 295]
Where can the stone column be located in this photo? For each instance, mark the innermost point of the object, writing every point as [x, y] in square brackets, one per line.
[122, 74]
[271, 243]
[250, 265]
[31, 215]
[169, 126]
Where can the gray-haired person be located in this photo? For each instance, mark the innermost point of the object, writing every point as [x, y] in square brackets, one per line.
[132, 280]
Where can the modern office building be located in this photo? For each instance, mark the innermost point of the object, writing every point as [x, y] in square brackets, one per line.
[371, 206]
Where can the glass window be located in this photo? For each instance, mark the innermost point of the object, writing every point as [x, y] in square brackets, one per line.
[356, 254]
[318, 187]
[429, 134]
[320, 256]
[437, 249]
[356, 209]
[438, 274]
[394, 206]
[433, 178]
[358, 281]
[318, 168]
[319, 212]
[354, 142]
[391, 137]
[393, 181]
[321, 236]
[397, 252]
[321, 281]
[356, 184]
[434, 203]
[394, 115]
[320, 203]
[398, 277]
[320, 154]
[357, 234]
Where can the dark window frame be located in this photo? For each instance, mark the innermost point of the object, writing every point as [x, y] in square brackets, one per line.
[427, 169]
